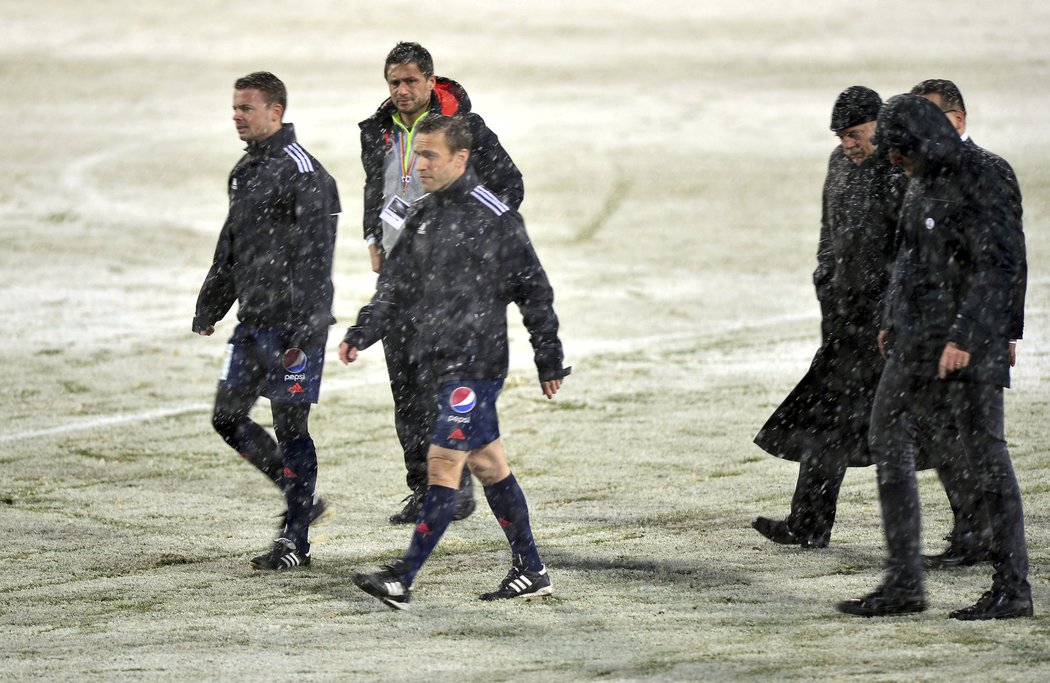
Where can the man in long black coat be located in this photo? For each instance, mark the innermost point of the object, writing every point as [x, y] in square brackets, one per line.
[946, 330]
[823, 423]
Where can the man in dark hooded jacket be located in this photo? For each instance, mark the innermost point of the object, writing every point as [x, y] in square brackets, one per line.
[969, 539]
[823, 423]
[391, 185]
[946, 329]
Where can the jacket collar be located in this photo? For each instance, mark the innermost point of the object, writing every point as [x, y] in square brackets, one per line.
[460, 187]
[273, 144]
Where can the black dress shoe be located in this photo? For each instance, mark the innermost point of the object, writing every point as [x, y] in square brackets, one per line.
[996, 604]
[775, 530]
[780, 532]
[956, 556]
[816, 541]
[884, 602]
[413, 505]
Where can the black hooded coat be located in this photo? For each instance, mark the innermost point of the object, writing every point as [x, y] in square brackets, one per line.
[829, 408]
[955, 278]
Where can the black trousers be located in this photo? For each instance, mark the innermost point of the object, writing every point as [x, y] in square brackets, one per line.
[415, 398]
[815, 500]
[914, 412]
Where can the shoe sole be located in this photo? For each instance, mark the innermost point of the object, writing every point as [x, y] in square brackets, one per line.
[263, 567]
[544, 592]
[541, 593]
[260, 567]
[385, 599]
[1024, 614]
[869, 614]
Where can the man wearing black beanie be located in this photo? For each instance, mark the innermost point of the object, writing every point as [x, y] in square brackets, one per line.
[823, 423]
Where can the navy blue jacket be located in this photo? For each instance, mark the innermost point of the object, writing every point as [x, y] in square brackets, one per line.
[274, 254]
[463, 256]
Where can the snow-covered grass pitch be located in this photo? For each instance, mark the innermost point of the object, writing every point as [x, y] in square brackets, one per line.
[673, 156]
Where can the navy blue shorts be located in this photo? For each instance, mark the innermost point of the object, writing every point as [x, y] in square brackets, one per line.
[259, 360]
[466, 418]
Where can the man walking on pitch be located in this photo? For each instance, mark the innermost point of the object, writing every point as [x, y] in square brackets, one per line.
[970, 538]
[946, 334]
[823, 423]
[463, 257]
[392, 183]
[274, 257]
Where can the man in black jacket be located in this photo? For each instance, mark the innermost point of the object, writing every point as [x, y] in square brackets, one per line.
[946, 334]
[823, 423]
[463, 257]
[274, 257]
[391, 185]
[969, 539]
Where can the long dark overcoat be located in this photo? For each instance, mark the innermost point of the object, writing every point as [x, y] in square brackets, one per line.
[829, 409]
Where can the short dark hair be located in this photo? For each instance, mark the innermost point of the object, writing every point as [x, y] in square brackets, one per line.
[270, 86]
[410, 53]
[951, 98]
[456, 130]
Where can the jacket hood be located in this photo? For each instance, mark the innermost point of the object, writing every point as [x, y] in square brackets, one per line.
[452, 98]
[917, 128]
[448, 98]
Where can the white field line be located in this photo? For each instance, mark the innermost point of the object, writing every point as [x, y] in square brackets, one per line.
[149, 415]
[581, 351]
[108, 421]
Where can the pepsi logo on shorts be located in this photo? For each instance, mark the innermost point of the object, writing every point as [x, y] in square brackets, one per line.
[295, 360]
[463, 399]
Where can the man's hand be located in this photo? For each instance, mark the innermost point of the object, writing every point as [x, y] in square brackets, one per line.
[884, 343]
[953, 359]
[550, 387]
[1013, 353]
[347, 353]
[375, 252]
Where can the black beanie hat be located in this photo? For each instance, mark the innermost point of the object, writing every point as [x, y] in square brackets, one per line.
[856, 105]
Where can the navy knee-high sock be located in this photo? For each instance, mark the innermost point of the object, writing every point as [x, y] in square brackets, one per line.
[507, 502]
[438, 509]
[300, 478]
[253, 443]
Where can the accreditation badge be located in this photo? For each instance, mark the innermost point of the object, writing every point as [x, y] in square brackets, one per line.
[395, 212]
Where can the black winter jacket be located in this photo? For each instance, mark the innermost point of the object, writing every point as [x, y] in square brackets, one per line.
[494, 166]
[858, 240]
[1013, 190]
[274, 254]
[463, 256]
[961, 249]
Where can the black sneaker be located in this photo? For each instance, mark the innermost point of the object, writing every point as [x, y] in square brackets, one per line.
[319, 513]
[413, 506]
[281, 556]
[464, 497]
[996, 604]
[386, 585]
[779, 531]
[522, 583]
[964, 550]
[885, 601]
